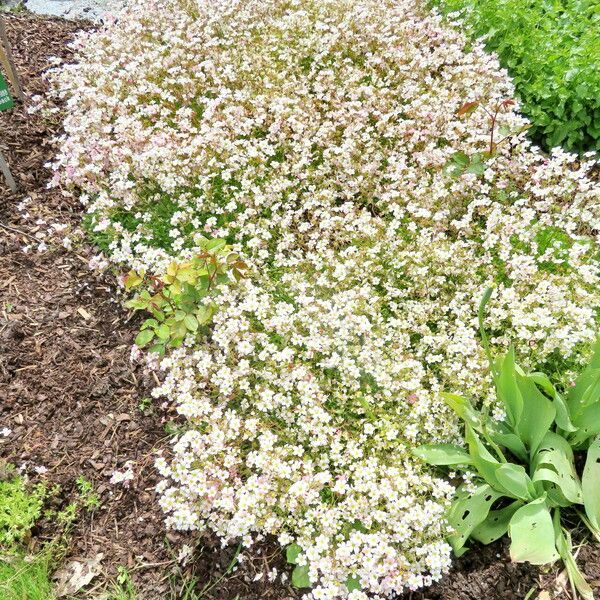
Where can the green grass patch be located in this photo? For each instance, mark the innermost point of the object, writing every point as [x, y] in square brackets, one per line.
[25, 577]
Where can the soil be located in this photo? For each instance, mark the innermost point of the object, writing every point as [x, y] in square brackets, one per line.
[72, 398]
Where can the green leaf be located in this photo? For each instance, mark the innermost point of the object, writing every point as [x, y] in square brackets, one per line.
[292, 552]
[132, 280]
[144, 337]
[191, 322]
[507, 389]
[511, 441]
[496, 524]
[565, 549]
[205, 313]
[515, 480]
[468, 510]
[442, 454]
[300, 577]
[463, 408]
[554, 463]
[215, 245]
[482, 460]
[353, 583]
[532, 534]
[588, 425]
[563, 419]
[163, 332]
[586, 385]
[538, 414]
[590, 484]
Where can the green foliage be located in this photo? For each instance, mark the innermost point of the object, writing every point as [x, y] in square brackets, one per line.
[525, 464]
[552, 51]
[475, 164]
[123, 588]
[20, 507]
[89, 498]
[179, 301]
[25, 577]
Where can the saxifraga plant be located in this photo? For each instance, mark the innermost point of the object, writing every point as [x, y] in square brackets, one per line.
[524, 468]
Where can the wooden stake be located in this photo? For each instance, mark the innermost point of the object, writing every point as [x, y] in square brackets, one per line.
[7, 61]
[7, 174]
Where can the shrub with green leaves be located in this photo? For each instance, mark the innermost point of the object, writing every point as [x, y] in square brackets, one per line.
[552, 52]
[522, 468]
[180, 300]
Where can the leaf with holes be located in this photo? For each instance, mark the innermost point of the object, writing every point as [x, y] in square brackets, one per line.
[469, 510]
[532, 534]
[590, 483]
[496, 524]
[554, 464]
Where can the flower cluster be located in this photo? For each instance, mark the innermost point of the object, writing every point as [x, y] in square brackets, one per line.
[316, 134]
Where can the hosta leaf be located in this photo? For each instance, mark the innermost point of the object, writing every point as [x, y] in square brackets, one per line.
[496, 524]
[581, 394]
[532, 534]
[554, 463]
[469, 510]
[563, 418]
[538, 413]
[442, 454]
[300, 576]
[292, 552]
[512, 442]
[464, 409]
[590, 483]
[507, 389]
[565, 549]
[587, 423]
[485, 464]
[515, 480]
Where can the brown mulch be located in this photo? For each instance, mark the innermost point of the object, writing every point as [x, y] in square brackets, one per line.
[71, 396]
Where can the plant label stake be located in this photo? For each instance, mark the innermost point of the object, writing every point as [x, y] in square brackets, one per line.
[8, 63]
[6, 102]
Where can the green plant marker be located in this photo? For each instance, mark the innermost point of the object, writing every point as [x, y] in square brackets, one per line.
[6, 101]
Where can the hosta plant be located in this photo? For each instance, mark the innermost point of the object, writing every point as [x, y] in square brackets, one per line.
[181, 300]
[524, 464]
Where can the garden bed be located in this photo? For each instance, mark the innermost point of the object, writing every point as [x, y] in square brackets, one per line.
[71, 397]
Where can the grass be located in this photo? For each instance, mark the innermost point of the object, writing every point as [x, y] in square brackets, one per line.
[25, 578]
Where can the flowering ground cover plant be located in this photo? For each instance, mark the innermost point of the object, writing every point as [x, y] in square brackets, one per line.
[552, 52]
[325, 141]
